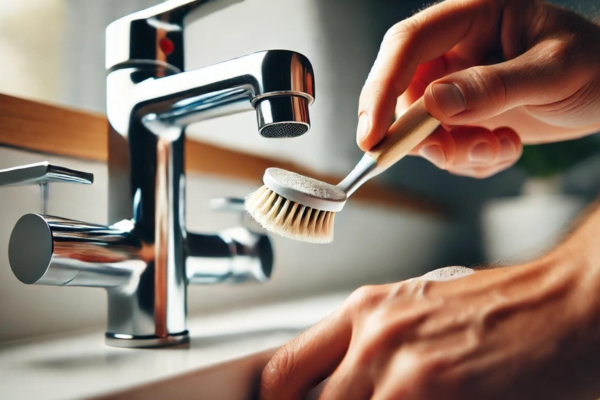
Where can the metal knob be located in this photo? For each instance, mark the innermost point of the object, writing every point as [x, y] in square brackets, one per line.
[47, 250]
[42, 174]
[235, 254]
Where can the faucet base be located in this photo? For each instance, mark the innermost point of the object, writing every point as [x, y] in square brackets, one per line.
[131, 341]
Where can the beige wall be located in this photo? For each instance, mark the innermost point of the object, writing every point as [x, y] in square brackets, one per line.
[31, 36]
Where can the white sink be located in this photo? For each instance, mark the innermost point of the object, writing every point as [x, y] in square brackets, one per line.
[223, 361]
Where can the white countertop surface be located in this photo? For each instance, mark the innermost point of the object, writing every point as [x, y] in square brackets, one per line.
[81, 366]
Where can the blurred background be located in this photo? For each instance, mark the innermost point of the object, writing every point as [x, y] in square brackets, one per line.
[53, 51]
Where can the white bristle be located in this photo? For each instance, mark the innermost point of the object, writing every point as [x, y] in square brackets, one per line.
[290, 219]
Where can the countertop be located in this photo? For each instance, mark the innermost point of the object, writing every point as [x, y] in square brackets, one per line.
[79, 365]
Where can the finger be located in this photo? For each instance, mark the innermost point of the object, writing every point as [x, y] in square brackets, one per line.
[439, 148]
[306, 360]
[544, 75]
[402, 380]
[428, 72]
[349, 381]
[471, 151]
[481, 153]
[421, 38]
[481, 172]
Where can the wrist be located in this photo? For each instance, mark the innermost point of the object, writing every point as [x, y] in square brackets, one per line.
[579, 256]
[574, 266]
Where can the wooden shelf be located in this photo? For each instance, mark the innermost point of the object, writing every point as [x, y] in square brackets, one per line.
[33, 126]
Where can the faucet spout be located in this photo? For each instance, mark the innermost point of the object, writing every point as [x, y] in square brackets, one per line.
[278, 84]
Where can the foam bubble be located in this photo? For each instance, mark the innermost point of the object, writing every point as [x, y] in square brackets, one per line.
[447, 273]
[306, 185]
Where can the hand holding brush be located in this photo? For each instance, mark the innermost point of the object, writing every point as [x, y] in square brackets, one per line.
[302, 208]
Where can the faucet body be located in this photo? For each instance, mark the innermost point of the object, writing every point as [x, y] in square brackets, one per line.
[146, 256]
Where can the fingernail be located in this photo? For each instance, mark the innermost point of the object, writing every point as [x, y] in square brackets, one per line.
[507, 150]
[449, 98]
[482, 153]
[363, 127]
[434, 154]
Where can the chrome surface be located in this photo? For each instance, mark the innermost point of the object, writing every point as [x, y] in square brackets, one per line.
[48, 250]
[237, 205]
[42, 173]
[362, 172]
[283, 116]
[131, 341]
[228, 204]
[150, 102]
[235, 255]
[130, 37]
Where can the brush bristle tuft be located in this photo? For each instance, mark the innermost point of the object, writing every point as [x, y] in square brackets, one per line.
[288, 218]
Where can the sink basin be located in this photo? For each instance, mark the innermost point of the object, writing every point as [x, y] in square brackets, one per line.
[223, 360]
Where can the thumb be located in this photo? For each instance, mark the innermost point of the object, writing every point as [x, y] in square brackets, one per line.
[542, 76]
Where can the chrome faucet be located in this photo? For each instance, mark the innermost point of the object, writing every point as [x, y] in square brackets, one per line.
[146, 258]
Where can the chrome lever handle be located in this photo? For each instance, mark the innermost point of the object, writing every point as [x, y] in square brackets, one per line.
[236, 254]
[236, 205]
[229, 204]
[43, 173]
[48, 250]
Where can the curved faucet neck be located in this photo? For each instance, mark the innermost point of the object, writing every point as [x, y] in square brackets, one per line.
[154, 34]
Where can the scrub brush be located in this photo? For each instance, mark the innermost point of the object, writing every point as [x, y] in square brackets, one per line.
[302, 208]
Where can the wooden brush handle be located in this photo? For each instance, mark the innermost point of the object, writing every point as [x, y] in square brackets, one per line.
[408, 131]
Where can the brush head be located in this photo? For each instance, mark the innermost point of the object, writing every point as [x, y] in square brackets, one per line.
[307, 191]
[295, 206]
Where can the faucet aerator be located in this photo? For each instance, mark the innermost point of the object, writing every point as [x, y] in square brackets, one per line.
[283, 116]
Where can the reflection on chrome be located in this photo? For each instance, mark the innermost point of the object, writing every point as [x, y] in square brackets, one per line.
[147, 257]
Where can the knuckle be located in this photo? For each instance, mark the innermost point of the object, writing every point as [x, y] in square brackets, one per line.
[567, 59]
[488, 85]
[374, 88]
[362, 298]
[277, 370]
[403, 30]
[425, 372]
[503, 134]
[479, 134]
[558, 52]
[423, 378]
[509, 133]
[413, 374]
[374, 347]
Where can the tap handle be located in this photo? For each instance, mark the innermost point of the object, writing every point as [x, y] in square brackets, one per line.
[236, 254]
[230, 204]
[237, 205]
[154, 34]
[42, 173]
[47, 250]
[233, 255]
